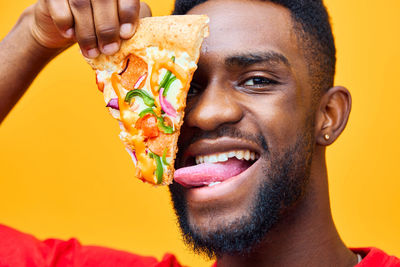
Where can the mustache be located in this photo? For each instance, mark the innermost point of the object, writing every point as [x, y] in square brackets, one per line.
[229, 131]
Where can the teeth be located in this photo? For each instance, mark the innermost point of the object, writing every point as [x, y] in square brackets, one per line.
[213, 183]
[222, 157]
[247, 155]
[213, 158]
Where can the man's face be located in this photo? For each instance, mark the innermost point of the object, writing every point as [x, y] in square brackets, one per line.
[252, 93]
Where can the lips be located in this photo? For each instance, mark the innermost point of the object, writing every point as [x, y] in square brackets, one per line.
[214, 161]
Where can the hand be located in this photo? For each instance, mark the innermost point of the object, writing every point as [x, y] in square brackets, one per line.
[97, 25]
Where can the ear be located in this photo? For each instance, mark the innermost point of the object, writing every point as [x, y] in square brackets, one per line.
[332, 115]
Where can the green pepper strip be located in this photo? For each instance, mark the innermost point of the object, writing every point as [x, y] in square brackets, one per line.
[146, 111]
[147, 99]
[159, 168]
[164, 157]
[168, 85]
[166, 77]
[166, 129]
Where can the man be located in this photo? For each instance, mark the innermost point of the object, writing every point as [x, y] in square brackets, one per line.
[264, 86]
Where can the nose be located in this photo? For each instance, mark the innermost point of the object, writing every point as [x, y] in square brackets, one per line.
[216, 106]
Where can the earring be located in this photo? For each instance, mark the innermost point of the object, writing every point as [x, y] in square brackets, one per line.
[327, 137]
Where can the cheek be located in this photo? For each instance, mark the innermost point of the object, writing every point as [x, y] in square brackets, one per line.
[278, 118]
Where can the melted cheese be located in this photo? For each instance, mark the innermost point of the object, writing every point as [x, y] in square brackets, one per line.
[128, 119]
[159, 61]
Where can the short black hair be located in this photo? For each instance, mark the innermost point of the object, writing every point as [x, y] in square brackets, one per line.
[313, 28]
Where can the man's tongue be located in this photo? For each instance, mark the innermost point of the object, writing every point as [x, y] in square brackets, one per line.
[207, 173]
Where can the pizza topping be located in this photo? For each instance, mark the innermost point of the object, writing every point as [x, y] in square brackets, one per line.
[170, 66]
[146, 111]
[145, 164]
[159, 168]
[168, 85]
[100, 84]
[113, 103]
[126, 66]
[159, 144]
[140, 80]
[164, 157]
[165, 105]
[165, 128]
[155, 115]
[135, 68]
[148, 124]
[167, 76]
[147, 99]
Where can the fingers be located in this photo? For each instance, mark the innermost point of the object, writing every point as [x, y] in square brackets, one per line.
[128, 11]
[97, 25]
[84, 27]
[62, 17]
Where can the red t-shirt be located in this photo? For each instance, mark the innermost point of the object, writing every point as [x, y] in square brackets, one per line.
[22, 250]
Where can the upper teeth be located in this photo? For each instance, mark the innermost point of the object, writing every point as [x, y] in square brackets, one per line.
[221, 157]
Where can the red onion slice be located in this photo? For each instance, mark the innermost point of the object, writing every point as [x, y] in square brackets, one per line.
[126, 66]
[113, 103]
[133, 155]
[165, 105]
[139, 81]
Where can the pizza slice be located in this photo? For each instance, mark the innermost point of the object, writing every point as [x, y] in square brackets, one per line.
[145, 86]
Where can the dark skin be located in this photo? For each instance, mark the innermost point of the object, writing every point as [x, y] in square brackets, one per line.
[252, 76]
[260, 83]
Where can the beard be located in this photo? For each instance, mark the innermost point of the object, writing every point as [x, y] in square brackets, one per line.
[285, 179]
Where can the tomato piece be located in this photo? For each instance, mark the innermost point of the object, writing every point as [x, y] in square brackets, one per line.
[168, 121]
[149, 125]
[158, 144]
[136, 68]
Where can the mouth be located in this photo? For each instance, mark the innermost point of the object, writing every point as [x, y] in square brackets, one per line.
[212, 163]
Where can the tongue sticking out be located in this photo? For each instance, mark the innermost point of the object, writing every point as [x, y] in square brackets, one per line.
[207, 173]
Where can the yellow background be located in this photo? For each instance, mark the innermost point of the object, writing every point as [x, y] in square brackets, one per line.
[64, 172]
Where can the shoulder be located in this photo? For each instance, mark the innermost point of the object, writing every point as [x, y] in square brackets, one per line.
[20, 249]
[376, 257]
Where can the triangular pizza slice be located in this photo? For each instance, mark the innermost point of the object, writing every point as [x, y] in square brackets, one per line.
[145, 86]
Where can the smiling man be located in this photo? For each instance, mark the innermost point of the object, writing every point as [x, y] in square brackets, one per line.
[261, 111]
[251, 181]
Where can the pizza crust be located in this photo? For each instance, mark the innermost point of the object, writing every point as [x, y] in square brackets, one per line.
[181, 33]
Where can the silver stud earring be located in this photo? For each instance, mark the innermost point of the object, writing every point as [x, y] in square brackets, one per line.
[327, 137]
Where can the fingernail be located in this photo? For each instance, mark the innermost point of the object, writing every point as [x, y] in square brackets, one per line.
[69, 33]
[126, 30]
[93, 53]
[110, 49]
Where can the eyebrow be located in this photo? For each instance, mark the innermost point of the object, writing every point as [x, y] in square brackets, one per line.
[248, 59]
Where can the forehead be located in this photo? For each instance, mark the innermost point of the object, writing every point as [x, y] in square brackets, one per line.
[238, 26]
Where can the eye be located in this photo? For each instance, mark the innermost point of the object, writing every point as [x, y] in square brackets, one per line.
[258, 82]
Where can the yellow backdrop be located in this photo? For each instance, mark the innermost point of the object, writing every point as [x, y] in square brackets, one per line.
[64, 172]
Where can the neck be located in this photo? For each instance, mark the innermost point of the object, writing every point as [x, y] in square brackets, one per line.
[305, 235]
